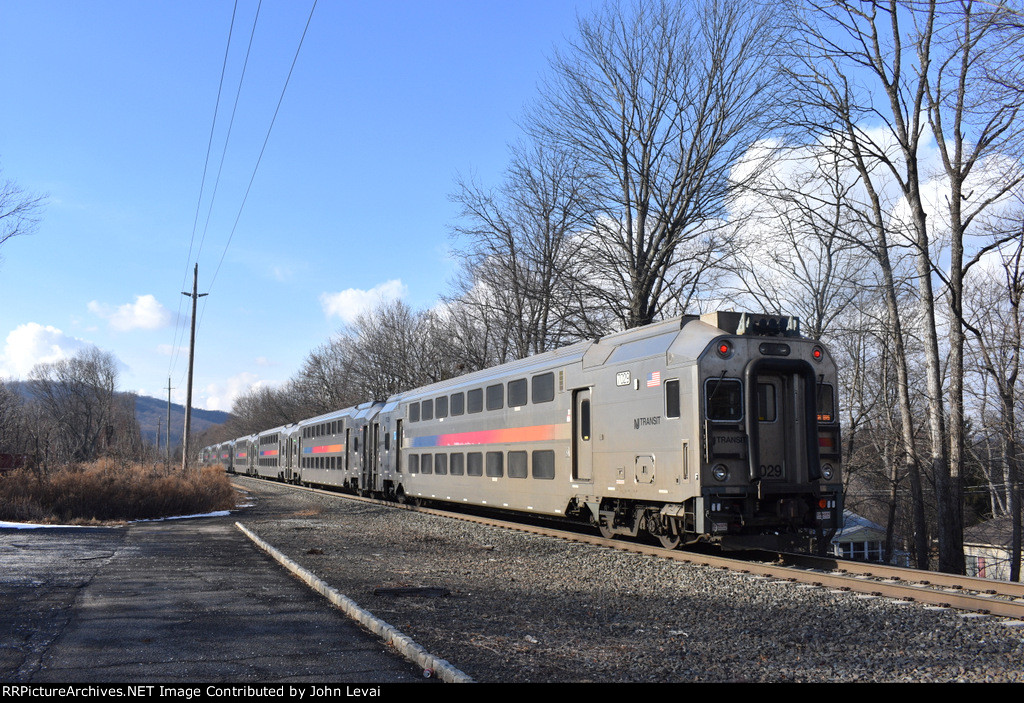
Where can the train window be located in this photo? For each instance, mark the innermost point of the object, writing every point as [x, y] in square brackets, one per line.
[426, 464]
[441, 406]
[517, 465]
[671, 398]
[457, 464]
[458, 405]
[544, 388]
[544, 464]
[585, 420]
[517, 393]
[495, 397]
[495, 463]
[441, 464]
[766, 411]
[387, 441]
[414, 412]
[826, 403]
[475, 400]
[414, 464]
[474, 464]
[723, 399]
[427, 410]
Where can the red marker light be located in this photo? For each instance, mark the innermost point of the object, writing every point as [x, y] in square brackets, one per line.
[817, 353]
[724, 349]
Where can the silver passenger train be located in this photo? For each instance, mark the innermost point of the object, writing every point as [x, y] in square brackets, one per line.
[719, 428]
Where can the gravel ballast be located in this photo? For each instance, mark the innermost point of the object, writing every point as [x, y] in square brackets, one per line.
[506, 606]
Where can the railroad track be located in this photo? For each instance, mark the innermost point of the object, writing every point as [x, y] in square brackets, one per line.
[973, 595]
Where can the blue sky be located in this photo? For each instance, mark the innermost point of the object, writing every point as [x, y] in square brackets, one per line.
[107, 110]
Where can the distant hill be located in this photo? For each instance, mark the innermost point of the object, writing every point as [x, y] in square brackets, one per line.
[152, 414]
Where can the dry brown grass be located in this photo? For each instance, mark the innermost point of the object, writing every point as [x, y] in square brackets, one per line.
[107, 492]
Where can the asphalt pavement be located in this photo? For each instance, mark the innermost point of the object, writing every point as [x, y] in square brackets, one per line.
[178, 601]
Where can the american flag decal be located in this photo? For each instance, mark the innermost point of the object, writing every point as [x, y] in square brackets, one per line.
[654, 379]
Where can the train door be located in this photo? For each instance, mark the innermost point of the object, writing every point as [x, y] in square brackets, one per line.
[782, 422]
[582, 443]
[372, 459]
[368, 459]
[399, 441]
[773, 426]
[348, 449]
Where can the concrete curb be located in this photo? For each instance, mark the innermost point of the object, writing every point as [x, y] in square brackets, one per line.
[404, 644]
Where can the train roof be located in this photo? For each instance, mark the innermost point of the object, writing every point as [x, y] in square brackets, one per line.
[327, 417]
[680, 340]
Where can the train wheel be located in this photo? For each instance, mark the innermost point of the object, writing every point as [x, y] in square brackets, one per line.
[606, 530]
[670, 541]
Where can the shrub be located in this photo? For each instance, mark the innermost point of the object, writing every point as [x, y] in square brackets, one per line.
[104, 491]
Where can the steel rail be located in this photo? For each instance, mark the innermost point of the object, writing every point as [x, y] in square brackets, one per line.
[1009, 589]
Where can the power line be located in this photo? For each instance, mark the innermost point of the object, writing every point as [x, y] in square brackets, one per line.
[265, 141]
[231, 124]
[202, 185]
[259, 159]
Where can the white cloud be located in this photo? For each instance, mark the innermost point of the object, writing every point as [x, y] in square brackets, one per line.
[349, 304]
[31, 344]
[221, 395]
[145, 313]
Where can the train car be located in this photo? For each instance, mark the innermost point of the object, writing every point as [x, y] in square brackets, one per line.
[276, 452]
[224, 455]
[719, 428]
[243, 452]
[323, 449]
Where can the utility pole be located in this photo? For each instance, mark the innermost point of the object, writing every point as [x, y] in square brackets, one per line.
[195, 295]
[168, 423]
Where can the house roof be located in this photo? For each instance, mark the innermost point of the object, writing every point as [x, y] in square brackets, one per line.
[996, 531]
[857, 528]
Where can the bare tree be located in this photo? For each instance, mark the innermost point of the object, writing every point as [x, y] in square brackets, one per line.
[658, 103]
[326, 380]
[995, 316]
[13, 434]
[263, 407]
[521, 268]
[877, 78]
[19, 211]
[798, 252]
[78, 396]
[832, 42]
[978, 129]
